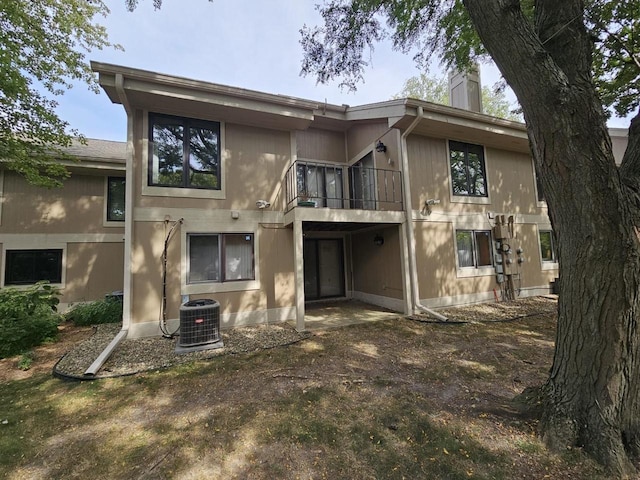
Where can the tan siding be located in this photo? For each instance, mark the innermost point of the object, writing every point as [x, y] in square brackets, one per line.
[363, 136]
[321, 145]
[255, 164]
[428, 165]
[78, 207]
[511, 182]
[510, 178]
[146, 269]
[377, 270]
[275, 267]
[93, 270]
[437, 269]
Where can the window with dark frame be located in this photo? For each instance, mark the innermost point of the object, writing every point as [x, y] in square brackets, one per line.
[547, 246]
[468, 173]
[220, 257]
[474, 248]
[26, 267]
[115, 199]
[184, 152]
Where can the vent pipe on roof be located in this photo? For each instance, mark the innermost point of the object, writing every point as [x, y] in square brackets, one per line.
[465, 89]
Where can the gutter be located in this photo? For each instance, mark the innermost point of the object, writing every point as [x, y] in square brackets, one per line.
[97, 364]
[413, 268]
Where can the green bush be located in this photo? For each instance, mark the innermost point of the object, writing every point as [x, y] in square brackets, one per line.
[27, 317]
[94, 313]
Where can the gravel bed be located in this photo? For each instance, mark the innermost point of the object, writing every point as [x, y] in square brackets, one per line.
[496, 312]
[144, 354]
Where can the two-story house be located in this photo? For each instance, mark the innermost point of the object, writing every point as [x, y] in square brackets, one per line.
[265, 202]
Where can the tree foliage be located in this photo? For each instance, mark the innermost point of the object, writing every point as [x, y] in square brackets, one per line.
[337, 49]
[436, 90]
[42, 52]
[565, 61]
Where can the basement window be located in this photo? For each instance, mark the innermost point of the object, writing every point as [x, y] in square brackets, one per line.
[547, 246]
[26, 267]
[222, 257]
[474, 248]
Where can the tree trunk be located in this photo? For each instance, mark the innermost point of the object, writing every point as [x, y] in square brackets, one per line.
[593, 390]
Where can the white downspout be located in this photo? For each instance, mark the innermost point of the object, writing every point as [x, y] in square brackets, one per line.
[413, 268]
[128, 230]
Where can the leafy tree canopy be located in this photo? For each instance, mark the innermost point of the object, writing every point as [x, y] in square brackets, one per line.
[42, 51]
[436, 90]
[337, 49]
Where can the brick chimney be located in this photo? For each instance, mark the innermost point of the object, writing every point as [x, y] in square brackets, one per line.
[465, 90]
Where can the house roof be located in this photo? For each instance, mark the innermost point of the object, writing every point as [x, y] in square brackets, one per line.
[97, 155]
[171, 94]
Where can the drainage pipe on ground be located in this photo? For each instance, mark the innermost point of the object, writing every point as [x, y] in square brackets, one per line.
[413, 269]
[128, 230]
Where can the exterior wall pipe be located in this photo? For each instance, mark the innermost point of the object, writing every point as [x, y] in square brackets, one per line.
[413, 269]
[95, 367]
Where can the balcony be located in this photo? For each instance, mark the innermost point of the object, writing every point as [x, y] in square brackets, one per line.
[323, 185]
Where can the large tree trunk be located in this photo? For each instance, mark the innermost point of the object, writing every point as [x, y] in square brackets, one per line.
[593, 391]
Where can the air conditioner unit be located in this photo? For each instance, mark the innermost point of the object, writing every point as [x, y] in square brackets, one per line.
[199, 326]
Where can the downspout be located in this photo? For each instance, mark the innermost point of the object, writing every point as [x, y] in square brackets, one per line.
[413, 268]
[128, 230]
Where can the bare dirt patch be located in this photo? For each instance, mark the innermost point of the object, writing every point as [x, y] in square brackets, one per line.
[45, 356]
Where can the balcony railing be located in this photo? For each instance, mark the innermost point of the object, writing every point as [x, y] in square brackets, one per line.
[312, 184]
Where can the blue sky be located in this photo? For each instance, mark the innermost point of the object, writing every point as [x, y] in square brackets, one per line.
[251, 44]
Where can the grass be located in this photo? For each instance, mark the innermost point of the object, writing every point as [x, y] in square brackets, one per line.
[393, 400]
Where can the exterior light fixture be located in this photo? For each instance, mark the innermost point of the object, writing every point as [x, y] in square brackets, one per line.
[381, 147]
[378, 240]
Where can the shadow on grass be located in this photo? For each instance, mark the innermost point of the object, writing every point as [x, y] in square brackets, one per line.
[363, 402]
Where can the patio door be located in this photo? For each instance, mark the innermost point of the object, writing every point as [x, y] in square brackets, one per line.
[323, 268]
[362, 184]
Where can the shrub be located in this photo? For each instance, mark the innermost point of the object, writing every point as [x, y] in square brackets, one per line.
[93, 313]
[27, 317]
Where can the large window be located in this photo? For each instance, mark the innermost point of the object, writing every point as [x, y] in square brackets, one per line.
[223, 257]
[115, 199]
[547, 246]
[474, 248]
[185, 153]
[468, 174]
[25, 267]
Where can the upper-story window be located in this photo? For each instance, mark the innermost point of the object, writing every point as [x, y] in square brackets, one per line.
[468, 173]
[185, 153]
[115, 199]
